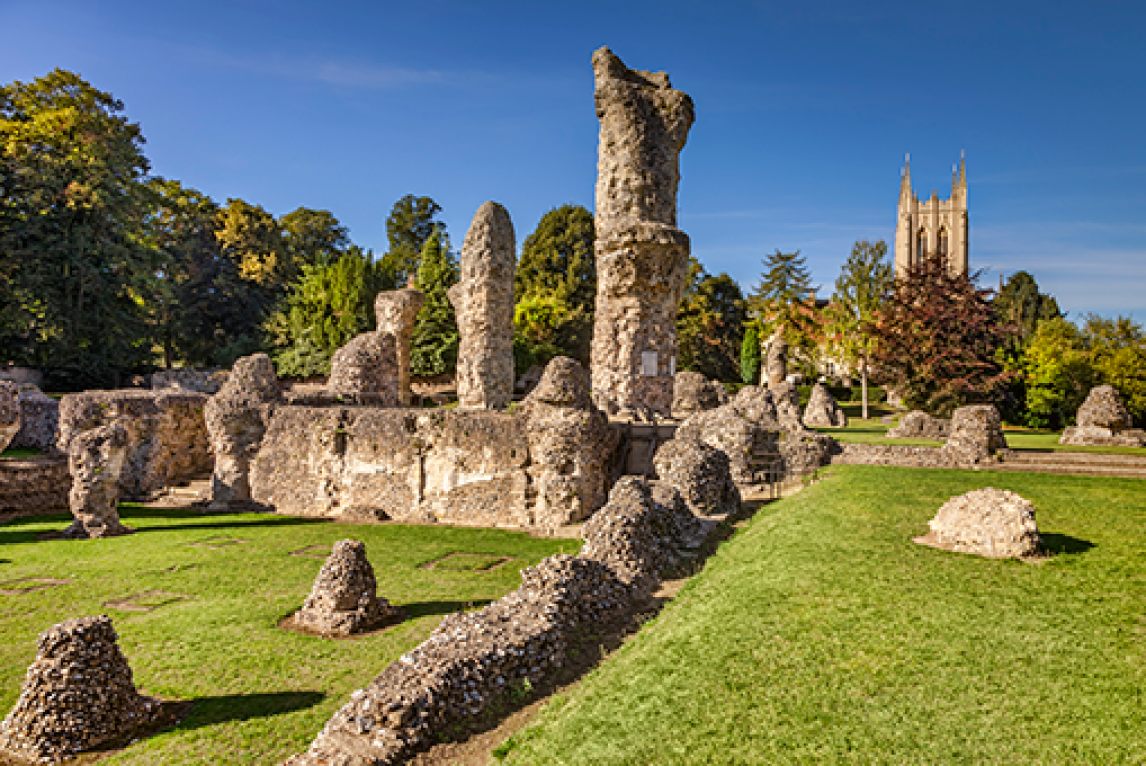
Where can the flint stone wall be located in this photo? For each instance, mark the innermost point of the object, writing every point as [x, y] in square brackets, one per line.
[1104, 421]
[917, 424]
[189, 379]
[692, 392]
[34, 485]
[641, 255]
[823, 411]
[989, 522]
[472, 660]
[395, 312]
[166, 434]
[368, 364]
[39, 420]
[9, 413]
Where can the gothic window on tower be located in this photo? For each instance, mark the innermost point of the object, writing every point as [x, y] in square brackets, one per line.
[921, 250]
[942, 249]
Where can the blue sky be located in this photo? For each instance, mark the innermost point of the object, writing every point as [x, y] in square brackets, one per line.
[804, 113]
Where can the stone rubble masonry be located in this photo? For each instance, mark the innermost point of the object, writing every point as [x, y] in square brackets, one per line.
[642, 257]
[823, 411]
[37, 485]
[368, 364]
[570, 445]
[344, 598]
[237, 419]
[483, 304]
[473, 660]
[166, 434]
[95, 462]
[775, 370]
[9, 413]
[39, 419]
[701, 473]
[692, 392]
[787, 399]
[917, 424]
[993, 523]
[976, 434]
[395, 312]
[190, 379]
[1103, 420]
[758, 405]
[78, 694]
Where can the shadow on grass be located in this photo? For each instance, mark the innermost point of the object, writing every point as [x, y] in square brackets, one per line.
[1064, 544]
[209, 711]
[431, 608]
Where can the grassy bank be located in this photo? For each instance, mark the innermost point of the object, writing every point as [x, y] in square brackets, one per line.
[822, 634]
[217, 586]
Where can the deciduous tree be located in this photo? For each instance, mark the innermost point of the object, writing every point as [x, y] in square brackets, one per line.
[710, 324]
[411, 222]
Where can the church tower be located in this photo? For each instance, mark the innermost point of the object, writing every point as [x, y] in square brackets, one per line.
[932, 227]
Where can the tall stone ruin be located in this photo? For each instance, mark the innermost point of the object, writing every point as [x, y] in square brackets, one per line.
[642, 257]
[395, 312]
[237, 419]
[483, 303]
[95, 461]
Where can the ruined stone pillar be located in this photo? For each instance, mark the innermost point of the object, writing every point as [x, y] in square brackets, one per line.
[776, 361]
[395, 312]
[95, 461]
[237, 419]
[483, 303]
[642, 257]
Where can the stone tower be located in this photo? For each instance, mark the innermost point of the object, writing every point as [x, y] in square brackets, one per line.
[933, 226]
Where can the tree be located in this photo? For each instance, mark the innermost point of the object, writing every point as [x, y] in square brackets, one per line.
[72, 269]
[1057, 373]
[556, 288]
[330, 304]
[434, 345]
[750, 356]
[937, 340]
[410, 224]
[1020, 303]
[1117, 351]
[783, 300]
[864, 279]
[313, 236]
[710, 324]
[251, 238]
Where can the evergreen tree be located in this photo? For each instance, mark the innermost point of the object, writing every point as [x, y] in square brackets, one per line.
[313, 236]
[1020, 303]
[410, 224]
[750, 360]
[434, 345]
[710, 324]
[781, 297]
[556, 288]
[329, 305]
[864, 279]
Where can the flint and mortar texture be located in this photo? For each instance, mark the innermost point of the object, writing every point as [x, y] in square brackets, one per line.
[990, 522]
[78, 694]
[483, 304]
[776, 360]
[395, 312]
[9, 413]
[692, 392]
[190, 379]
[166, 434]
[1103, 420]
[642, 257]
[39, 419]
[344, 598]
[237, 418]
[95, 461]
[368, 364]
[823, 411]
[917, 424]
[976, 434]
[35, 485]
[701, 473]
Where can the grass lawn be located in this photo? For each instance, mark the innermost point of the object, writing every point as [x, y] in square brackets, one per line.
[217, 587]
[821, 634]
[19, 452]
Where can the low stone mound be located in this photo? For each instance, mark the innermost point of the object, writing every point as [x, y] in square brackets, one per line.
[1103, 420]
[701, 473]
[190, 379]
[78, 695]
[917, 424]
[993, 523]
[823, 411]
[692, 392]
[344, 598]
[9, 413]
[368, 364]
[730, 432]
[976, 434]
[787, 398]
[39, 418]
[95, 461]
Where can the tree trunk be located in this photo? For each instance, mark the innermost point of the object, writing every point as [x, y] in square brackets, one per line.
[863, 385]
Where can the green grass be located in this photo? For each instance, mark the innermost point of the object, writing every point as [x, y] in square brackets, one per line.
[19, 452]
[822, 634]
[261, 693]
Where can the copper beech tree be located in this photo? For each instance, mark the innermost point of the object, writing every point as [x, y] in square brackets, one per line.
[937, 339]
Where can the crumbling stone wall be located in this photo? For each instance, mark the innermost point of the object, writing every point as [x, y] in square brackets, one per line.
[344, 598]
[34, 485]
[190, 379]
[39, 420]
[236, 419]
[701, 473]
[1103, 421]
[395, 312]
[483, 304]
[823, 411]
[368, 364]
[692, 392]
[166, 434]
[917, 424]
[775, 370]
[472, 660]
[642, 257]
[78, 694]
[9, 413]
[95, 461]
[976, 434]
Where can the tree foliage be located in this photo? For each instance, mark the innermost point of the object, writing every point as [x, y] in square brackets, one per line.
[937, 340]
[1019, 303]
[313, 237]
[1057, 374]
[784, 287]
[750, 361]
[710, 324]
[555, 286]
[410, 225]
[434, 345]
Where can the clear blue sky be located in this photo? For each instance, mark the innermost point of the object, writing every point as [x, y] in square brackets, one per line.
[804, 113]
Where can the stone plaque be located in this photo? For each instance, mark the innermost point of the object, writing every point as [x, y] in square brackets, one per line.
[649, 364]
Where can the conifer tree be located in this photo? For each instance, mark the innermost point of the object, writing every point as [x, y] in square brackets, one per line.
[750, 357]
[434, 345]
